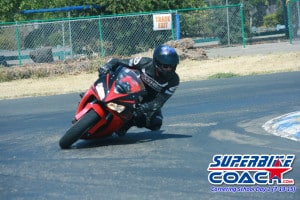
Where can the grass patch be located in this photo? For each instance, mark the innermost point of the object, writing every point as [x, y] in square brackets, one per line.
[222, 75]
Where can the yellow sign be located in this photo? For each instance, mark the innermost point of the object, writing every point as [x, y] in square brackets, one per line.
[162, 22]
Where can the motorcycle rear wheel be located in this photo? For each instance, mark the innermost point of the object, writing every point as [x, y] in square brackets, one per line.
[79, 129]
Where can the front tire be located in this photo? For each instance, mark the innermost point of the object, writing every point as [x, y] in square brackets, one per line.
[79, 129]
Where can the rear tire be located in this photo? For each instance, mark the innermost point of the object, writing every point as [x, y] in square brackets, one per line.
[79, 129]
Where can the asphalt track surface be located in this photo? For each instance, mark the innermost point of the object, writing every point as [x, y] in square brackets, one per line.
[203, 118]
[265, 48]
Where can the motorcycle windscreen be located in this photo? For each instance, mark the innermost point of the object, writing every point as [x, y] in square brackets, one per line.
[128, 82]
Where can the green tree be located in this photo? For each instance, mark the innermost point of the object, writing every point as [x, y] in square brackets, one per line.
[270, 20]
[8, 9]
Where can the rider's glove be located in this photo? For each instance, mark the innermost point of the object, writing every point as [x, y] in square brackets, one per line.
[105, 69]
[142, 109]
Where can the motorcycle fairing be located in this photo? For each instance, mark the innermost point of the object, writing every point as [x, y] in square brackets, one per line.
[86, 104]
[123, 88]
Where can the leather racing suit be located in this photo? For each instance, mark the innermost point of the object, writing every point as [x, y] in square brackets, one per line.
[159, 90]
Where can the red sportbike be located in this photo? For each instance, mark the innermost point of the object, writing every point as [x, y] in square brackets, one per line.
[106, 106]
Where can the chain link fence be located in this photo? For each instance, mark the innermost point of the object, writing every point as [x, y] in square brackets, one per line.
[222, 25]
[294, 19]
[117, 35]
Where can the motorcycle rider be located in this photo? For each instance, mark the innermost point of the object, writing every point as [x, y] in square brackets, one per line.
[160, 80]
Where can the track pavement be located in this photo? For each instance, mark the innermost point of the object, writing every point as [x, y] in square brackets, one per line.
[203, 118]
[254, 49]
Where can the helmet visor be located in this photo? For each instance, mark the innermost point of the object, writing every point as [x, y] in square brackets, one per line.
[165, 67]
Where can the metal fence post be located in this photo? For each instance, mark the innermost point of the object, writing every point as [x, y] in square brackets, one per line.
[63, 40]
[228, 22]
[172, 27]
[242, 23]
[289, 22]
[177, 23]
[18, 43]
[101, 37]
[70, 33]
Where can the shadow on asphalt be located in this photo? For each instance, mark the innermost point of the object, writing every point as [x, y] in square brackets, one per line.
[129, 138]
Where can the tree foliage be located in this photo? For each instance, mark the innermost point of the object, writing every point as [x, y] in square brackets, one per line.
[10, 10]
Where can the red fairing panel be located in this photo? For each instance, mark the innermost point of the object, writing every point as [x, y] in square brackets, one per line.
[90, 93]
[112, 95]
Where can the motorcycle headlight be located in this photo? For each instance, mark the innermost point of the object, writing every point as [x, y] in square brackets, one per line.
[116, 107]
[100, 90]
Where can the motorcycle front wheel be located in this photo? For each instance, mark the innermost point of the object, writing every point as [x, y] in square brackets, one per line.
[79, 129]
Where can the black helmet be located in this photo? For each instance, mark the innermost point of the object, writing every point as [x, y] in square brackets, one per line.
[165, 59]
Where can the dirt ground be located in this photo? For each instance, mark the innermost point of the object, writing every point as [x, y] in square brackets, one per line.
[251, 60]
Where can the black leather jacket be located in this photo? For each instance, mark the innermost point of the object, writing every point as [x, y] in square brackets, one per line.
[159, 90]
